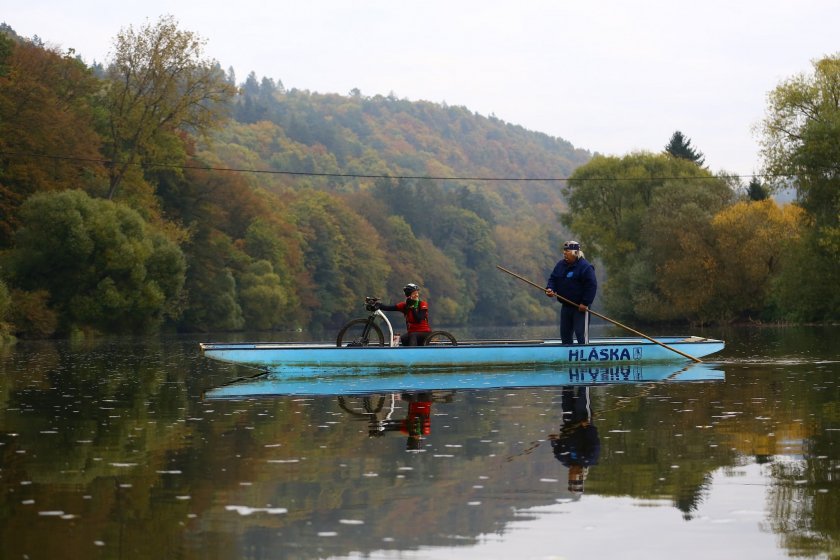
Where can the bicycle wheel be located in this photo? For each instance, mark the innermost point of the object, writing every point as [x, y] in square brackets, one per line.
[440, 337]
[362, 406]
[352, 334]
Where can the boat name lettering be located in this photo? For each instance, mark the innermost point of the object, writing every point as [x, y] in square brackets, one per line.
[602, 354]
[605, 374]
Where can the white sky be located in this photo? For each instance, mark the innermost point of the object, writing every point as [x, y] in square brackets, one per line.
[611, 76]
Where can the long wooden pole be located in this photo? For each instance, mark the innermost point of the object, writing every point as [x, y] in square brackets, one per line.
[604, 317]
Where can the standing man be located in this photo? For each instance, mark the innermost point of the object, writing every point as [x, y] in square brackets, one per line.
[573, 279]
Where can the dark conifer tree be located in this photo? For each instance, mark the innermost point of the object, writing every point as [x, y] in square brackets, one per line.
[756, 191]
[680, 146]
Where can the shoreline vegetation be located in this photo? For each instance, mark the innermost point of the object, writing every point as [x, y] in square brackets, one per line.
[129, 206]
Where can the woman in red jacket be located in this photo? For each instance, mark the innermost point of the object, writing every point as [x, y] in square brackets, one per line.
[416, 314]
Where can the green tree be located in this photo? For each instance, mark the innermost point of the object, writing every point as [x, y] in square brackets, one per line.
[799, 141]
[212, 299]
[276, 242]
[263, 298]
[634, 214]
[680, 146]
[31, 315]
[5, 305]
[160, 86]
[805, 290]
[800, 147]
[6, 47]
[102, 265]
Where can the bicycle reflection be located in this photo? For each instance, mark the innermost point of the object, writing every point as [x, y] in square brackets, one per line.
[577, 445]
[382, 413]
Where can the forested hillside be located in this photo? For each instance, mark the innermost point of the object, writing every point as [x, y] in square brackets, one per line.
[285, 215]
[158, 193]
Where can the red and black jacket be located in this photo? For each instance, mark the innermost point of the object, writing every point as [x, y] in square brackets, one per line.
[416, 316]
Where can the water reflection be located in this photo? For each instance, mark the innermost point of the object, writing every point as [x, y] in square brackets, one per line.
[102, 446]
[577, 445]
[384, 413]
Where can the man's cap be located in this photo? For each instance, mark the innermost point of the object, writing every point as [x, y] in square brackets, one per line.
[571, 246]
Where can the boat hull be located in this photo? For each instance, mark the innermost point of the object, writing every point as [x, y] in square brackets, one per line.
[482, 355]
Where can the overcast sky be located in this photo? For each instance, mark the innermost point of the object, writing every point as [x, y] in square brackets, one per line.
[611, 76]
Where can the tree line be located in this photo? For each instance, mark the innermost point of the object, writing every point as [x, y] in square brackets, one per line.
[681, 244]
[155, 193]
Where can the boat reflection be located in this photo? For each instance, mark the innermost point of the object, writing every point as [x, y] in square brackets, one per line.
[294, 382]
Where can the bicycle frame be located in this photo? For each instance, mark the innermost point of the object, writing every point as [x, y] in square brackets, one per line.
[388, 324]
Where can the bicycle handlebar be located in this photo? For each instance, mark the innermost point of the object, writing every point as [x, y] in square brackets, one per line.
[370, 303]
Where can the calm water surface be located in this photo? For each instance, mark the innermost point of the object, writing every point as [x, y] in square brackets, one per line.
[115, 449]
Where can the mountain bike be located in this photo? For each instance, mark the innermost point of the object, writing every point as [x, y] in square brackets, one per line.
[366, 331]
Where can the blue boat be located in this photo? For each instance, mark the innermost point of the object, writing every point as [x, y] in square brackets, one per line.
[324, 382]
[480, 354]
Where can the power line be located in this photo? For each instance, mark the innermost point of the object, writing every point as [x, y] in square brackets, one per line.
[106, 162]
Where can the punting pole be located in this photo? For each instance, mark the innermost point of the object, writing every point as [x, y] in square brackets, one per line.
[604, 317]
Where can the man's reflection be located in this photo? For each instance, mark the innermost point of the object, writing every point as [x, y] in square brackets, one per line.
[577, 445]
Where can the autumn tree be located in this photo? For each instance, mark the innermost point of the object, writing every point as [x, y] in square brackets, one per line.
[750, 238]
[240, 240]
[343, 254]
[800, 147]
[6, 47]
[414, 259]
[159, 87]
[727, 267]
[5, 305]
[449, 219]
[47, 137]
[516, 245]
[680, 146]
[677, 237]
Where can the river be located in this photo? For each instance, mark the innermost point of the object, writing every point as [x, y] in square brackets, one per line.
[115, 449]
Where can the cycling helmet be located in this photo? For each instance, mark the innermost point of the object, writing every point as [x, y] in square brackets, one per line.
[410, 289]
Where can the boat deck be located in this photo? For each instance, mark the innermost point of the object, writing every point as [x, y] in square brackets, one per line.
[669, 340]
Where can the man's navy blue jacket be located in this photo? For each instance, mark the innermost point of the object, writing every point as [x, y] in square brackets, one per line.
[575, 282]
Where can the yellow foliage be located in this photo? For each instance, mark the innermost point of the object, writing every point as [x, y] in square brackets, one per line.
[751, 240]
[753, 232]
